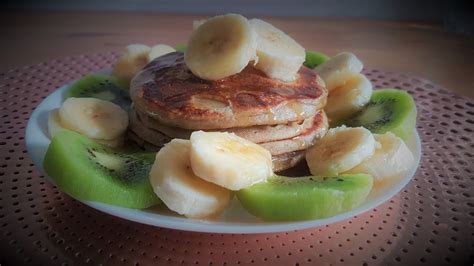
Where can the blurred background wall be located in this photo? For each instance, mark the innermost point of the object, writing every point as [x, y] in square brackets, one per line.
[456, 15]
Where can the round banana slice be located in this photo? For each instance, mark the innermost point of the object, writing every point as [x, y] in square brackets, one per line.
[179, 188]
[279, 56]
[220, 47]
[132, 60]
[336, 71]
[55, 126]
[339, 150]
[349, 98]
[159, 50]
[390, 160]
[94, 118]
[228, 160]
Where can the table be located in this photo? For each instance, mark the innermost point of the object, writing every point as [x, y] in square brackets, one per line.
[419, 49]
[429, 222]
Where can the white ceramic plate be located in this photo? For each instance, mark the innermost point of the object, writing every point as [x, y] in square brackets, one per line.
[234, 220]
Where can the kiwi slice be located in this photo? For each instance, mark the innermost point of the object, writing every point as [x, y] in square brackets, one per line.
[181, 47]
[314, 59]
[89, 171]
[103, 87]
[388, 110]
[302, 198]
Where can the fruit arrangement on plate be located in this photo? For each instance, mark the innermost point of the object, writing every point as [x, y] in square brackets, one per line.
[193, 127]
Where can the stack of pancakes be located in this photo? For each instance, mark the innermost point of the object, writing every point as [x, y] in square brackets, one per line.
[284, 117]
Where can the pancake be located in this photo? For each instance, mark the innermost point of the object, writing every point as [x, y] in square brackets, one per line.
[167, 91]
[257, 134]
[142, 144]
[300, 142]
[151, 136]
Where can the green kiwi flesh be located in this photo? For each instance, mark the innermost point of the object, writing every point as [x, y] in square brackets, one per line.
[181, 47]
[388, 110]
[90, 171]
[305, 198]
[314, 59]
[103, 87]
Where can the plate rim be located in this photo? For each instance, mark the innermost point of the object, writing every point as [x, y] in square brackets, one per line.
[181, 223]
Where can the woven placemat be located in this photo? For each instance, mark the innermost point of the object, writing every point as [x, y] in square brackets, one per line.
[430, 222]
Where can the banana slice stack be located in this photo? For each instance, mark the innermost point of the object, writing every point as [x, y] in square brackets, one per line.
[349, 90]
[357, 150]
[196, 177]
[224, 45]
[135, 57]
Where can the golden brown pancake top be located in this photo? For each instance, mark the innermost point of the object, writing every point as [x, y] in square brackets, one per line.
[167, 89]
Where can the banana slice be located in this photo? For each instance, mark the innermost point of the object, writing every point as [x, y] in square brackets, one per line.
[179, 188]
[55, 126]
[220, 47]
[228, 160]
[133, 60]
[279, 56]
[339, 150]
[392, 159]
[349, 98]
[159, 50]
[336, 71]
[94, 118]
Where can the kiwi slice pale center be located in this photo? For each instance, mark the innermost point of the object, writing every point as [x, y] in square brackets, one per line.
[125, 168]
[376, 114]
[107, 160]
